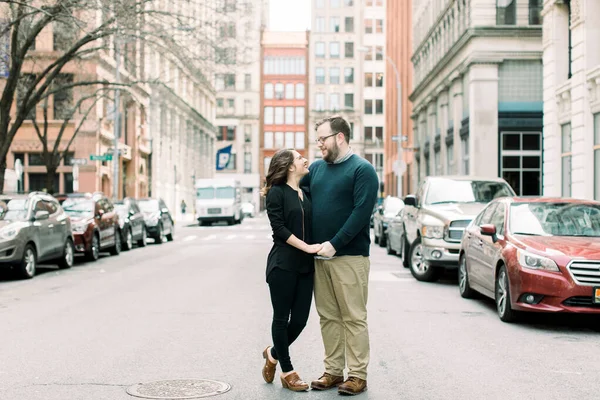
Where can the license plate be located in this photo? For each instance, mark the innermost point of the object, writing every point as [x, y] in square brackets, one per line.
[596, 295]
[214, 211]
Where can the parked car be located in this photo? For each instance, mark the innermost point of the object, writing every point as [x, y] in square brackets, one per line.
[158, 219]
[390, 209]
[34, 229]
[247, 210]
[394, 242]
[131, 223]
[95, 223]
[435, 219]
[529, 254]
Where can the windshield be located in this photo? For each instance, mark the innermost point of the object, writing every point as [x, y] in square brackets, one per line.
[148, 206]
[555, 219]
[15, 210]
[121, 208]
[205, 193]
[458, 191]
[79, 207]
[225, 193]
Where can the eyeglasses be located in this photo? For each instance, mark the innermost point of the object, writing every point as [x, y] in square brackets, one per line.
[322, 139]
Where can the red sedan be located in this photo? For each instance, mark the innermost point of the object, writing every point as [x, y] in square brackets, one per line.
[534, 254]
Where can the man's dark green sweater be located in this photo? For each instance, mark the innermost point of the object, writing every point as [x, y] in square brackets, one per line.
[343, 196]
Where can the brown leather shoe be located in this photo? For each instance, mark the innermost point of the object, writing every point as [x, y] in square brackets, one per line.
[268, 371]
[294, 383]
[327, 381]
[352, 386]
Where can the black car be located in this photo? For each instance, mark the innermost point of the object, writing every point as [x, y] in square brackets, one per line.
[131, 221]
[159, 222]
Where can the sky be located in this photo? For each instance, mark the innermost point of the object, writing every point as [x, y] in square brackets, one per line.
[289, 15]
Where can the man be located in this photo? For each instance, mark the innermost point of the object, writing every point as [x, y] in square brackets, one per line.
[343, 188]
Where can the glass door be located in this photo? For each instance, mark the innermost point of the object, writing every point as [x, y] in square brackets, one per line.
[521, 161]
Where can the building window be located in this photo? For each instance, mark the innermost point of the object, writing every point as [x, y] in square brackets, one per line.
[521, 161]
[320, 49]
[63, 99]
[349, 100]
[506, 12]
[334, 101]
[348, 75]
[597, 156]
[334, 49]
[266, 163]
[368, 106]
[334, 24]
[232, 162]
[566, 160]
[379, 132]
[378, 106]
[319, 75]
[335, 3]
[349, 24]
[269, 91]
[247, 162]
[229, 81]
[219, 82]
[369, 54]
[37, 182]
[320, 4]
[289, 140]
[320, 24]
[279, 115]
[229, 133]
[247, 133]
[279, 140]
[464, 144]
[535, 12]
[368, 133]
[268, 115]
[450, 159]
[379, 79]
[231, 106]
[378, 26]
[248, 81]
[570, 37]
[299, 115]
[289, 115]
[334, 76]
[289, 91]
[348, 3]
[247, 107]
[437, 161]
[378, 53]
[299, 91]
[279, 91]
[299, 140]
[320, 101]
[220, 102]
[368, 26]
[36, 159]
[68, 182]
[349, 49]
[368, 79]
[268, 140]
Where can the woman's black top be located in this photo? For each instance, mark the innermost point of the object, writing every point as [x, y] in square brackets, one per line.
[289, 215]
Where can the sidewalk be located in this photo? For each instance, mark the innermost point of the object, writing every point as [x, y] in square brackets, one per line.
[184, 219]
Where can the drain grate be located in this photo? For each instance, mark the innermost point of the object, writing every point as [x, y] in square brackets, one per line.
[179, 389]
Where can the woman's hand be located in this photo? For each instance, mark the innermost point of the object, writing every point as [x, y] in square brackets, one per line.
[313, 248]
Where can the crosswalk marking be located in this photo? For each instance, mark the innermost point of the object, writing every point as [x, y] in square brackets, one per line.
[210, 237]
[229, 237]
[250, 237]
[189, 238]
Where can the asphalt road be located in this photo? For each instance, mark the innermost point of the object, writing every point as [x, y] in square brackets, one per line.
[198, 308]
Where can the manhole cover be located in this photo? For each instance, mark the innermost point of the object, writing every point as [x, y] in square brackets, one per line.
[179, 389]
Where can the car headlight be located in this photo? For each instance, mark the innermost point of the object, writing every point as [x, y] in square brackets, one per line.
[533, 261]
[79, 228]
[433, 231]
[9, 232]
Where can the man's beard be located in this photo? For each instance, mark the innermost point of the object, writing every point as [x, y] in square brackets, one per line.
[332, 153]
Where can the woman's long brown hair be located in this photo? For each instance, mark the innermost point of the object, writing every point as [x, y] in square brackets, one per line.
[278, 169]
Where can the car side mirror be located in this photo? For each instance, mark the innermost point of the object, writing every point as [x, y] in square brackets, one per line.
[380, 210]
[164, 211]
[41, 215]
[488, 230]
[410, 200]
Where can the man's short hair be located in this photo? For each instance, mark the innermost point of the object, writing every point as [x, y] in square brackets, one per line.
[338, 124]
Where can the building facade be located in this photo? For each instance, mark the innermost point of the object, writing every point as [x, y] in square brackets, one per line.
[346, 72]
[572, 98]
[398, 54]
[478, 91]
[238, 96]
[284, 104]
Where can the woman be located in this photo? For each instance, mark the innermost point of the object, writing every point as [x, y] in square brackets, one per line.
[290, 265]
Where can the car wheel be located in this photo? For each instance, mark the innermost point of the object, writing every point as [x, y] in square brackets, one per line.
[142, 241]
[128, 240]
[94, 253]
[388, 247]
[28, 265]
[68, 257]
[405, 252]
[463, 279]
[419, 268]
[375, 237]
[503, 305]
[171, 234]
[382, 239]
[116, 249]
[160, 238]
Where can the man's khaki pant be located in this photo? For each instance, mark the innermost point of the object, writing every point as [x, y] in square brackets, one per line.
[341, 290]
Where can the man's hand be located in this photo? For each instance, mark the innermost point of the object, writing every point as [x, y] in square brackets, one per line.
[327, 251]
[313, 248]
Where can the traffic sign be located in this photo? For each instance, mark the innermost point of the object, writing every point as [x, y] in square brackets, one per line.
[101, 157]
[78, 161]
[395, 138]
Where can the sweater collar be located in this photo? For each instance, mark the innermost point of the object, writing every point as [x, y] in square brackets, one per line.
[344, 157]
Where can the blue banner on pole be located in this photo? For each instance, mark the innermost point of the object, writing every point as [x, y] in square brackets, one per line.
[223, 157]
[4, 49]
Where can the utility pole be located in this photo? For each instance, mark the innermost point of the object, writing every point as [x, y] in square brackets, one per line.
[399, 136]
[117, 122]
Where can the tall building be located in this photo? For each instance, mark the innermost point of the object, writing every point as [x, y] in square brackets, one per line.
[398, 54]
[572, 98]
[346, 74]
[237, 83]
[284, 104]
[478, 92]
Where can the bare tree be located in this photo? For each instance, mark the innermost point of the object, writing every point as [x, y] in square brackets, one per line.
[83, 32]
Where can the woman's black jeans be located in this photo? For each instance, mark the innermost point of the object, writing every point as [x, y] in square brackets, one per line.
[291, 296]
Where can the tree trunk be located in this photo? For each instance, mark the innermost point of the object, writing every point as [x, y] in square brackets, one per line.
[2, 170]
[50, 174]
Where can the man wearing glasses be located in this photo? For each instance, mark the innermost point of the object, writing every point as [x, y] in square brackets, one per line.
[343, 189]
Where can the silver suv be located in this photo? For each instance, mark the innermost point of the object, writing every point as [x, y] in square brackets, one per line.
[435, 219]
[34, 228]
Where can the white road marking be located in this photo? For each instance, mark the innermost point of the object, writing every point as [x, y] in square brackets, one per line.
[229, 237]
[250, 237]
[210, 237]
[189, 238]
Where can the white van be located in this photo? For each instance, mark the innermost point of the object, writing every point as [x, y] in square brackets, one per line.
[218, 200]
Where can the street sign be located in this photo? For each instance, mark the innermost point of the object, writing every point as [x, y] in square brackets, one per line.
[395, 138]
[101, 157]
[78, 161]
